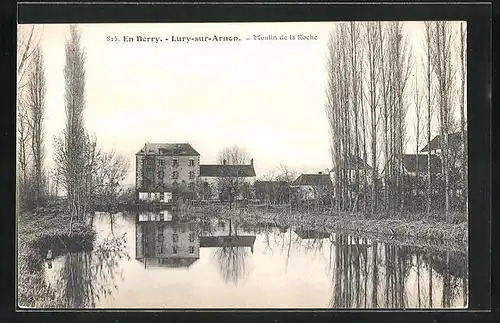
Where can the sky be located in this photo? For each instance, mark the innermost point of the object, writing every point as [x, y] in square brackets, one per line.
[266, 96]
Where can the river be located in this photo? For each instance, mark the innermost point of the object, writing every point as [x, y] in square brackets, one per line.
[153, 260]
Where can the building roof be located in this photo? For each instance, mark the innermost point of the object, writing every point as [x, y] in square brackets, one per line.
[169, 149]
[410, 163]
[454, 139]
[313, 180]
[227, 171]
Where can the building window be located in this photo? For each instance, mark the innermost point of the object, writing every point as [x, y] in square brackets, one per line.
[191, 249]
[191, 162]
[175, 162]
[160, 175]
[191, 175]
[191, 237]
[174, 249]
[175, 174]
[175, 237]
[161, 162]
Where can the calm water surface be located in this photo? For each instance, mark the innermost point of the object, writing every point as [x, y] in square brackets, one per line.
[155, 261]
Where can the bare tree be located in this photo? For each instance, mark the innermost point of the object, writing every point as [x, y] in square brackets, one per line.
[286, 176]
[339, 111]
[75, 150]
[463, 128]
[234, 155]
[363, 130]
[29, 37]
[444, 73]
[331, 110]
[401, 67]
[385, 88]
[418, 121]
[24, 153]
[354, 37]
[285, 173]
[75, 136]
[28, 40]
[108, 172]
[428, 79]
[36, 113]
[230, 181]
[373, 76]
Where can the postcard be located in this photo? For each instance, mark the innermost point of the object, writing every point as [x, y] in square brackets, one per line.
[242, 165]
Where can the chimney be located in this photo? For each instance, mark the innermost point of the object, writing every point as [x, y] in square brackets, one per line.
[251, 161]
[224, 162]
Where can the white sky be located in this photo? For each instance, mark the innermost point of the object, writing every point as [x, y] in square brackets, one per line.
[266, 96]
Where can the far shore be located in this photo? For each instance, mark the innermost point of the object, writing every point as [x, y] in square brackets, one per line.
[415, 229]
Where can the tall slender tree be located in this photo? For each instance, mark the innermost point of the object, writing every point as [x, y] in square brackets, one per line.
[444, 72]
[230, 182]
[354, 38]
[418, 128]
[385, 88]
[463, 126]
[75, 150]
[331, 109]
[402, 64]
[28, 39]
[373, 73]
[36, 113]
[428, 80]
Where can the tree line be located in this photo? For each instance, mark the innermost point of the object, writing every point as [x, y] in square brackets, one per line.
[373, 79]
[86, 174]
[32, 179]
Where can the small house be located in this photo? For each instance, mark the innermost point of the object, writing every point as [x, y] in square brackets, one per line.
[413, 162]
[313, 186]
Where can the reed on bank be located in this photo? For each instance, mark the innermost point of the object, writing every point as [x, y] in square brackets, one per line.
[421, 226]
[44, 229]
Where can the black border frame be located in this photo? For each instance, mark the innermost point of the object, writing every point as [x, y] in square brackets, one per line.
[478, 16]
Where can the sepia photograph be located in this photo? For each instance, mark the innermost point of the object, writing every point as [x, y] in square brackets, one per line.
[319, 165]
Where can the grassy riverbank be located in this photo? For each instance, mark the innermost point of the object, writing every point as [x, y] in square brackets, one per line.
[409, 226]
[39, 231]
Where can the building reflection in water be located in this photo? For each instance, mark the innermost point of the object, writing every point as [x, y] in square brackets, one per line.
[164, 240]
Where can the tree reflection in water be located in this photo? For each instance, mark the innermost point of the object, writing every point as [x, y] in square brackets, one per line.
[232, 263]
[86, 277]
[232, 260]
[378, 275]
